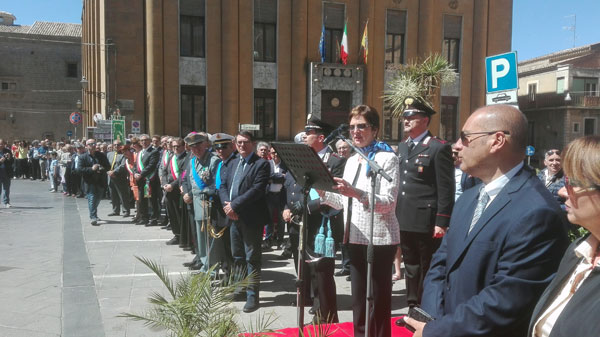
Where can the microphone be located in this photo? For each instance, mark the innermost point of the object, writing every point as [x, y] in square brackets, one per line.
[343, 128]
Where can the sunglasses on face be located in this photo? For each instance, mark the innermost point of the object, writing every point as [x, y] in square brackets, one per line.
[570, 184]
[551, 152]
[464, 136]
[360, 126]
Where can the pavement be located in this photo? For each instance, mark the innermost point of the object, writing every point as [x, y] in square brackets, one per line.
[60, 276]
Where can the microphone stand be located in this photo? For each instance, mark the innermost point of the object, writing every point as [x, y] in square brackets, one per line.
[375, 170]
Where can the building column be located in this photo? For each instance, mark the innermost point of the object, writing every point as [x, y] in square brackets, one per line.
[154, 58]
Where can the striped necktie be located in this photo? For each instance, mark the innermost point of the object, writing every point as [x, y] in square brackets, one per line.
[481, 204]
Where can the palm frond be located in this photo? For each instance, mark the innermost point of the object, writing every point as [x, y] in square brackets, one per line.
[199, 307]
[419, 79]
[160, 272]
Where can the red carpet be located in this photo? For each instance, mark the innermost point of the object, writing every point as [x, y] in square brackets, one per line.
[338, 330]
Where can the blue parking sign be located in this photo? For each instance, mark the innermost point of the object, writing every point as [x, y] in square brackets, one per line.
[501, 72]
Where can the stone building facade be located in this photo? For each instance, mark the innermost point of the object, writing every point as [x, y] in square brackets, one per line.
[559, 94]
[215, 64]
[40, 76]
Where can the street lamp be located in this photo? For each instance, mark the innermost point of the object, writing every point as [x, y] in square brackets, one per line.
[84, 82]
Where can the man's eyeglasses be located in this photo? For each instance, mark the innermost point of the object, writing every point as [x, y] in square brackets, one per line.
[570, 184]
[551, 152]
[91, 144]
[360, 126]
[243, 142]
[464, 136]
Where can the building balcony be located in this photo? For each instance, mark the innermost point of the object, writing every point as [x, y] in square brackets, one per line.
[553, 100]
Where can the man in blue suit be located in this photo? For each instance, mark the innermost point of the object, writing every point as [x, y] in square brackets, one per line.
[242, 193]
[506, 237]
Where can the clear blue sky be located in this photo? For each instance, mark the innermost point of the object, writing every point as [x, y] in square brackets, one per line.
[537, 24]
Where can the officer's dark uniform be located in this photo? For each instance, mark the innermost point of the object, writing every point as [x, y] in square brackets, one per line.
[319, 275]
[425, 200]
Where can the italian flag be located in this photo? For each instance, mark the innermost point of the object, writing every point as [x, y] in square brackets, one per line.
[344, 48]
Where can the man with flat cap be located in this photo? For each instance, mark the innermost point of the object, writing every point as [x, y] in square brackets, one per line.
[198, 188]
[220, 245]
[425, 197]
[321, 282]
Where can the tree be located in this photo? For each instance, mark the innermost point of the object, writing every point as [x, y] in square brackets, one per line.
[420, 80]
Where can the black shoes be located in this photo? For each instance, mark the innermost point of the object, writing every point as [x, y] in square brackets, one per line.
[113, 214]
[94, 222]
[348, 278]
[126, 215]
[343, 272]
[285, 255]
[251, 305]
[195, 266]
[173, 241]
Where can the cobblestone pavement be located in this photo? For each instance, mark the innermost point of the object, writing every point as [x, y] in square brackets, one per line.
[60, 276]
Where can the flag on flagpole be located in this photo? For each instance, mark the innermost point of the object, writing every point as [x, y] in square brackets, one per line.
[322, 44]
[365, 42]
[344, 47]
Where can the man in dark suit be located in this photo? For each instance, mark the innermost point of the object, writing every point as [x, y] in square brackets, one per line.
[92, 166]
[506, 237]
[147, 181]
[117, 180]
[6, 172]
[242, 193]
[425, 195]
[170, 180]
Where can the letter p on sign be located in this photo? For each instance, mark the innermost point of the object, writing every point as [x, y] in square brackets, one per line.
[501, 72]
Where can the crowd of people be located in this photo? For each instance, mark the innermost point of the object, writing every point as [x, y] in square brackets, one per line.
[481, 234]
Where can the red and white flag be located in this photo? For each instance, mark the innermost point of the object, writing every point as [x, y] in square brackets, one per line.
[344, 48]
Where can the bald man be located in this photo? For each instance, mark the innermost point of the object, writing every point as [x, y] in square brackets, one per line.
[506, 240]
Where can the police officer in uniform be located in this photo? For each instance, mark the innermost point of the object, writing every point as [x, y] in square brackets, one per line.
[320, 271]
[425, 196]
[198, 190]
[220, 247]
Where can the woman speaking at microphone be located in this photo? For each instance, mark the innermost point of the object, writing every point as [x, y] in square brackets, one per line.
[354, 196]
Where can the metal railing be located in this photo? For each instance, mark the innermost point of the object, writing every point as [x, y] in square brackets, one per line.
[550, 100]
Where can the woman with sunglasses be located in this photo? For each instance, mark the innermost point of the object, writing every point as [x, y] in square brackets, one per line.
[570, 305]
[552, 176]
[354, 196]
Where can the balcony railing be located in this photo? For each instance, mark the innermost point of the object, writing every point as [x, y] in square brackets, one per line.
[551, 100]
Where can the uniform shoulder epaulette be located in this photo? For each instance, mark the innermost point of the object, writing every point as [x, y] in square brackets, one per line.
[439, 140]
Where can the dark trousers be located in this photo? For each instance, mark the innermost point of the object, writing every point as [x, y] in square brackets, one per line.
[34, 167]
[173, 211]
[274, 228]
[246, 251]
[119, 195]
[417, 249]
[345, 257]
[323, 288]
[381, 283]
[22, 168]
[144, 211]
[5, 187]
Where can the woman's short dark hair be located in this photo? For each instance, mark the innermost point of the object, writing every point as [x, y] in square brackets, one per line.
[368, 112]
